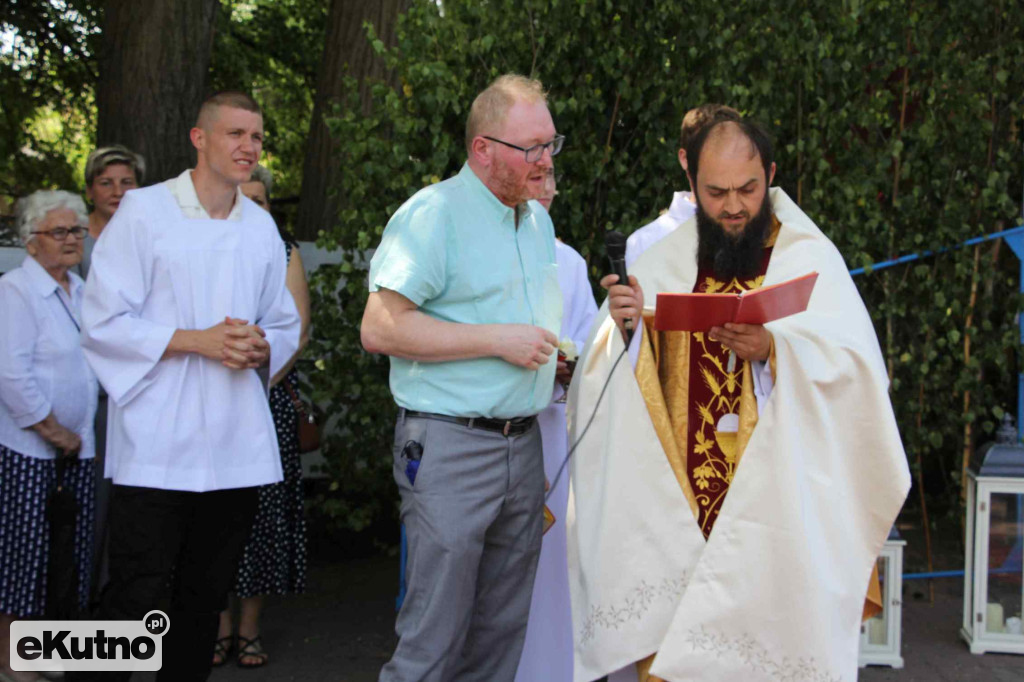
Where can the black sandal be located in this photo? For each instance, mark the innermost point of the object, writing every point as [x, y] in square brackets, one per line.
[222, 649]
[251, 648]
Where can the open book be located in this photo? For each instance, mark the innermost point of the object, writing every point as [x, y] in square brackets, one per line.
[701, 312]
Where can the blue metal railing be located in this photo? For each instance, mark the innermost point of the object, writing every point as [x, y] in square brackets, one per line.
[1015, 239]
[1013, 233]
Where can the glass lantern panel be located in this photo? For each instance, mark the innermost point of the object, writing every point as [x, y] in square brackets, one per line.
[877, 626]
[1006, 541]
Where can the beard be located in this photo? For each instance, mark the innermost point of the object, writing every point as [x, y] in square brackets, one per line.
[509, 187]
[733, 256]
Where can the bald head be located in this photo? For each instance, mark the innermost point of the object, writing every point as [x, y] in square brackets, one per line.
[729, 141]
[698, 117]
[490, 108]
[732, 141]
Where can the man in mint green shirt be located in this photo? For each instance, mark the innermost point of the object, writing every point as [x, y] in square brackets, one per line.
[464, 297]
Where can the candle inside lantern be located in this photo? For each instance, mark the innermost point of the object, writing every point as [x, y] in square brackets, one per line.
[876, 631]
[994, 618]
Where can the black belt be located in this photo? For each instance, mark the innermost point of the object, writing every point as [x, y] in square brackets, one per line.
[506, 427]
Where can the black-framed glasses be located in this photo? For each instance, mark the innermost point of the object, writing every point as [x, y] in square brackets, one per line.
[61, 233]
[533, 154]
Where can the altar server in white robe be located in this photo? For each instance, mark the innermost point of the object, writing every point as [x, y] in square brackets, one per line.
[185, 308]
[712, 549]
[683, 206]
[547, 653]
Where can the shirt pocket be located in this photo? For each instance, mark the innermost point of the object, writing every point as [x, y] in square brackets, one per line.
[548, 297]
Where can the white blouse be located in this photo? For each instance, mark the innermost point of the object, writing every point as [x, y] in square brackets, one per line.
[185, 422]
[42, 367]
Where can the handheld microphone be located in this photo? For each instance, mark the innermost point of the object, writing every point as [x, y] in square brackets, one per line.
[615, 247]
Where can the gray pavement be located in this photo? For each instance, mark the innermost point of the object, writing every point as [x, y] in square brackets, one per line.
[341, 631]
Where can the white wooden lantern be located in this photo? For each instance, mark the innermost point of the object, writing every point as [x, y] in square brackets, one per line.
[993, 575]
[880, 639]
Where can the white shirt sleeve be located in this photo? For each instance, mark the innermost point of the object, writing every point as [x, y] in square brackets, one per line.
[763, 383]
[278, 316]
[123, 348]
[19, 390]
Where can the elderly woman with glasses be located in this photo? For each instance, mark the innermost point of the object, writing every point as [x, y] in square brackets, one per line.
[47, 404]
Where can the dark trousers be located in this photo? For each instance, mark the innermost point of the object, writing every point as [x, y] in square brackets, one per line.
[175, 551]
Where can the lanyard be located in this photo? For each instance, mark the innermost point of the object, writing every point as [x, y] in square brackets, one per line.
[70, 316]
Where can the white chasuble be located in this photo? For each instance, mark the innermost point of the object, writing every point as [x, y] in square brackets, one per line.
[777, 592]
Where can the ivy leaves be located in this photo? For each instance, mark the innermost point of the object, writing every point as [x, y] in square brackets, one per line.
[897, 128]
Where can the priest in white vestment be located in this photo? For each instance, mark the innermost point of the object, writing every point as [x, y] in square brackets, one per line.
[683, 206]
[735, 547]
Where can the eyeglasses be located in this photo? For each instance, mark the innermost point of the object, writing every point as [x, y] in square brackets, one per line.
[533, 154]
[61, 233]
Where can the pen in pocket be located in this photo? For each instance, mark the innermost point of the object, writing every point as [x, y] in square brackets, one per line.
[413, 453]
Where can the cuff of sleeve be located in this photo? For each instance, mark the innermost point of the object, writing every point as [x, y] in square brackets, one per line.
[282, 347]
[139, 375]
[37, 415]
[404, 284]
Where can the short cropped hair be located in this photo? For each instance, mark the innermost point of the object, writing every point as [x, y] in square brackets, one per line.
[758, 137]
[100, 158]
[263, 176]
[32, 209]
[697, 118]
[235, 99]
[491, 106]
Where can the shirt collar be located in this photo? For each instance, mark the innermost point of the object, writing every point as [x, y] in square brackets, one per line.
[185, 192]
[42, 282]
[500, 209]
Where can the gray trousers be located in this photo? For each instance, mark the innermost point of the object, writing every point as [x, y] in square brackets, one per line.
[473, 521]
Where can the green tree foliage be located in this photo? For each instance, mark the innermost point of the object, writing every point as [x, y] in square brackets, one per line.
[897, 126]
[47, 73]
[272, 49]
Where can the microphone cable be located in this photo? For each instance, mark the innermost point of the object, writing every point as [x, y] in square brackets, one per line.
[593, 414]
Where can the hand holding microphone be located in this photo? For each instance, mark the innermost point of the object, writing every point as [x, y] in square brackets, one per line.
[625, 297]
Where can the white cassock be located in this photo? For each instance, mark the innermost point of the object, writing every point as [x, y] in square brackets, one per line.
[547, 653]
[185, 422]
[777, 591]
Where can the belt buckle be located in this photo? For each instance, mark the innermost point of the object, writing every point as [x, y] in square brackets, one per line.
[508, 424]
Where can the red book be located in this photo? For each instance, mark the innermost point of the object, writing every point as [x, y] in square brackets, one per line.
[701, 312]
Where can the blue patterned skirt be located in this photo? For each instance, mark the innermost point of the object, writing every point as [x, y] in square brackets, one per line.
[25, 486]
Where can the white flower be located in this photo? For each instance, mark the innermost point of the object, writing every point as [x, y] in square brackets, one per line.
[568, 348]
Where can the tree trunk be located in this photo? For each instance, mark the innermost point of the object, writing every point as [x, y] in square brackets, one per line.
[347, 52]
[153, 65]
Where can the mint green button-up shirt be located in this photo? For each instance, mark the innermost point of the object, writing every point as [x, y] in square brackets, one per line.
[454, 250]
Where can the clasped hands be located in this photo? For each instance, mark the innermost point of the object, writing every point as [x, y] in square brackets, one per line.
[750, 342]
[237, 344]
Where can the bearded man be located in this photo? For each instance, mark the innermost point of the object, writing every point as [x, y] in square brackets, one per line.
[683, 204]
[727, 515]
[465, 299]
